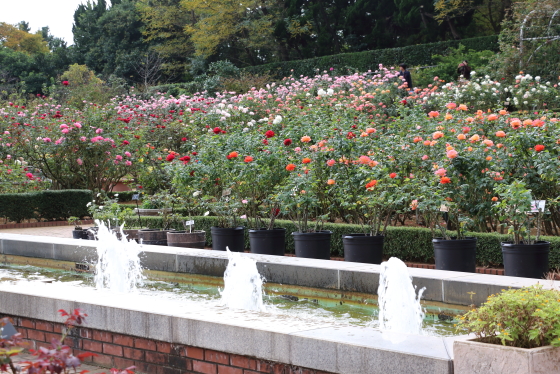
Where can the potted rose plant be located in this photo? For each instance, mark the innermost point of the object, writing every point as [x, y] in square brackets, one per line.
[524, 256]
[440, 209]
[259, 174]
[372, 208]
[516, 331]
[300, 199]
[189, 237]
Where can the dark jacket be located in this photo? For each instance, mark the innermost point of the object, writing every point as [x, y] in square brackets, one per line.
[407, 77]
[464, 70]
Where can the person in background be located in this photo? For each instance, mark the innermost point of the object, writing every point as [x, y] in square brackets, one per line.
[407, 77]
[464, 70]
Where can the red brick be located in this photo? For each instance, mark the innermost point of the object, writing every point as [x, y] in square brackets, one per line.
[29, 344]
[36, 335]
[279, 369]
[86, 333]
[23, 332]
[123, 340]
[73, 342]
[250, 372]
[178, 350]
[156, 358]
[222, 369]
[244, 362]
[49, 337]
[218, 357]
[145, 344]
[45, 326]
[27, 323]
[113, 350]
[178, 362]
[135, 354]
[168, 370]
[103, 360]
[163, 347]
[204, 367]
[103, 336]
[122, 363]
[144, 367]
[92, 346]
[58, 328]
[76, 352]
[263, 366]
[194, 352]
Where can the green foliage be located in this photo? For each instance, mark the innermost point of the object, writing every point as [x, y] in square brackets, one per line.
[61, 204]
[446, 68]
[46, 205]
[122, 196]
[414, 55]
[525, 318]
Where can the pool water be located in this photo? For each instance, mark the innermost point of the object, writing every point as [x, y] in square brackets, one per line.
[284, 302]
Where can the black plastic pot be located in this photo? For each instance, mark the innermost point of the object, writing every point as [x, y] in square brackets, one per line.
[77, 234]
[268, 242]
[85, 234]
[526, 260]
[313, 244]
[231, 237]
[363, 248]
[455, 254]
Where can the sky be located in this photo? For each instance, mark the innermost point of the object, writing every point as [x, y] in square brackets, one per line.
[57, 14]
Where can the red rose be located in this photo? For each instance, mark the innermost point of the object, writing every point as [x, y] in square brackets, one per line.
[445, 180]
[393, 175]
[185, 159]
[183, 139]
[265, 141]
[66, 83]
[269, 134]
[350, 135]
[217, 130]
[539, 147]
[287, 142]
[126, 142]
[170, 157]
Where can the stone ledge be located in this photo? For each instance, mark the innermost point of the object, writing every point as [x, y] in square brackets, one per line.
[441, 286]
[317, 346]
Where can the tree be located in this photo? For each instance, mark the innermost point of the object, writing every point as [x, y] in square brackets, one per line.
[22, 41]
[164, 23]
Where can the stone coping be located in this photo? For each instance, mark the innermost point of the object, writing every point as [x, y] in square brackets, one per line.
[268, 335]
[441, 286]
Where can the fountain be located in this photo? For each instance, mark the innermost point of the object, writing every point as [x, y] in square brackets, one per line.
[399, 306]
[242, 284]
[118, 266]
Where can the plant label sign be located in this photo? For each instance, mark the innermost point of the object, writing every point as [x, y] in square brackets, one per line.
[136, 196]
[189, 223]
[537, 206]
[226, 192]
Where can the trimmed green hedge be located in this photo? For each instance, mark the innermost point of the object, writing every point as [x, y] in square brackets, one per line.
[46, 205]
[406, 243]
[413, 55]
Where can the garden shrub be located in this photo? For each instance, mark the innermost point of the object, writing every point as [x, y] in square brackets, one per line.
[414, 55]
[406, 243]
[18, 206]
[46, 205]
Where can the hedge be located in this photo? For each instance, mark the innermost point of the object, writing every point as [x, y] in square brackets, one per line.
[46, 205]
[413, 55]
[406, 243]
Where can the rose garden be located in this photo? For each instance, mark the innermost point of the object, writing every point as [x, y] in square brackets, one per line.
[297, 216]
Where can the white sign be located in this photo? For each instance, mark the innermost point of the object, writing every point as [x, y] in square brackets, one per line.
[189, 223]
[537, 205]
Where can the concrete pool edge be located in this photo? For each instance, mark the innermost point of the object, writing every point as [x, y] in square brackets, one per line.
[441, 286]
[335, 350]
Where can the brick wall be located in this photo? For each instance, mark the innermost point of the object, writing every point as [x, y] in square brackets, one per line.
[149, 356]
